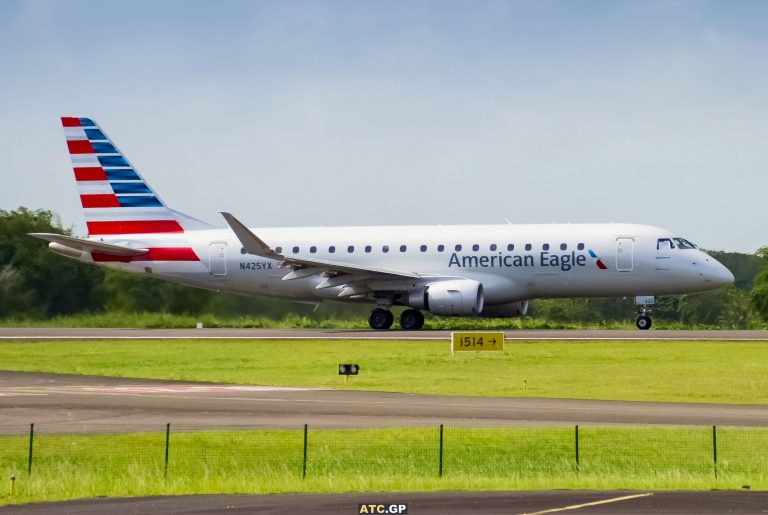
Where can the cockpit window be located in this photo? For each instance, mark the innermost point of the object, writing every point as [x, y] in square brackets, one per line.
[664, 244]
[684, 244]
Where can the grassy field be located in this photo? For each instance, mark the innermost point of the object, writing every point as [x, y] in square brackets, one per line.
[722, 372]
[171, 321]
[393, 459]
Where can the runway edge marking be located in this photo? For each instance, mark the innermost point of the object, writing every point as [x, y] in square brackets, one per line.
[589, 504]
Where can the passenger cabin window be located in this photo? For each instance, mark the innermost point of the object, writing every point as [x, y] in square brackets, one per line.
[545, 246]
[351, 249]
[295, 250]
[563, 246]
[403, 248]
[458, 248]
[312, 249]
[279, 250]
[580, 246]
[528, 246]
[510, 247]
[423, 248]
[664, 244]
[475, 247]
[331, 249]
[684, 244]
[493, 247]
[385, 249]
[368, 249]
[243, 251]
[440, 248]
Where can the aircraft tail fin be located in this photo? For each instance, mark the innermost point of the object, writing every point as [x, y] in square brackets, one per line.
[115, 197]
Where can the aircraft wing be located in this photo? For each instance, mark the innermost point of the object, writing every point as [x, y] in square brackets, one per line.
[255, 245]
[88, 245]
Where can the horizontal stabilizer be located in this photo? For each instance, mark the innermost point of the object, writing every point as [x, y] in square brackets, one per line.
[89, 245]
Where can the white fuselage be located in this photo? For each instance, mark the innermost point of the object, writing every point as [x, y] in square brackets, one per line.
[513, 262]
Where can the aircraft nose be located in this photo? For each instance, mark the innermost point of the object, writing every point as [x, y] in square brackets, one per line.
[719, 275]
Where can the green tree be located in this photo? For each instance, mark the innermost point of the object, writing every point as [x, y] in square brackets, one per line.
[759, 297]
[725, 307]
[702, 308]
[737, 312]
[37, 282]
[131, 292]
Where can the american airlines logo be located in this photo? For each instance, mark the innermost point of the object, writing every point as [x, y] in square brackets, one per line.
[598, 261]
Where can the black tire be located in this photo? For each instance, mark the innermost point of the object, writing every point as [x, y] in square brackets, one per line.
[381, 319]
[411, 320]
[643, 322]
[390, 318]
[421, 320]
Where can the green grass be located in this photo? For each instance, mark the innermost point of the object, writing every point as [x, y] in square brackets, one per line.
[722, 372]
[171, 321]
[393, 459]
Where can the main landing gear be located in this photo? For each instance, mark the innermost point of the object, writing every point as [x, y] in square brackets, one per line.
[381, 319]
[410, 319]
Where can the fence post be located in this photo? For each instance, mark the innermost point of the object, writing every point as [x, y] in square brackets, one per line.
[714, 448]
[304, 466]
[440, 470]
[31, 440]
[167, 441]
[577, 447]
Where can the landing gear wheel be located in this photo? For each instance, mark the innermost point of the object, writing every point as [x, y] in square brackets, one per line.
[381, 319]
[411, 320]
[643, 322]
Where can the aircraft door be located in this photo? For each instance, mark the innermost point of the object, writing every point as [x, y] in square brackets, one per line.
[624, 254]
[217, 263]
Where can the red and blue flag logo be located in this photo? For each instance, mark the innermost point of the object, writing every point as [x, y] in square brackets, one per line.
[598, 261]
[115, 198]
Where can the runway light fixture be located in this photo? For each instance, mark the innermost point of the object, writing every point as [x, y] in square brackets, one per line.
[349, 369]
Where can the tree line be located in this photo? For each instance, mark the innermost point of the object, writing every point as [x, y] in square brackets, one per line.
[37, 284]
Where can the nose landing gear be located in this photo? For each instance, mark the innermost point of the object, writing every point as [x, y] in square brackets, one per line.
[643, 321]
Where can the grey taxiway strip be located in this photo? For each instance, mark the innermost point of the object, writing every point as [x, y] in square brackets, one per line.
[443, 503]
[58, 403]
[32, 334]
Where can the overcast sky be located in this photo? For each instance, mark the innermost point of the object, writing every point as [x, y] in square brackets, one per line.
[373, 113]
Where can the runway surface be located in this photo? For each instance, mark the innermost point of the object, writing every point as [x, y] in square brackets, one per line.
[442, 503]
[13, 334]
[58, 403]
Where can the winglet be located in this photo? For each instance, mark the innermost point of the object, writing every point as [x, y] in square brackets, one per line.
[251, 243]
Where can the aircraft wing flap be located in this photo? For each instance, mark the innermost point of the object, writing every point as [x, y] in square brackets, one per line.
[347, 268]
[89, 245]
[256, 246]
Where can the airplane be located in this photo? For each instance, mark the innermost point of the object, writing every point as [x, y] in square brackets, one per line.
[447, 270]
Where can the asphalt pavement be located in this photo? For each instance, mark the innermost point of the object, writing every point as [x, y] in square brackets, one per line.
[435, 503]
[61, 402]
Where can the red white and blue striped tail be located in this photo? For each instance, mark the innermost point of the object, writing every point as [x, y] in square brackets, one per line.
[115, 198]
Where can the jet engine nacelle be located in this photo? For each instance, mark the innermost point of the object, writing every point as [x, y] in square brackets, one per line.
[511, 310]
[460, 297]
